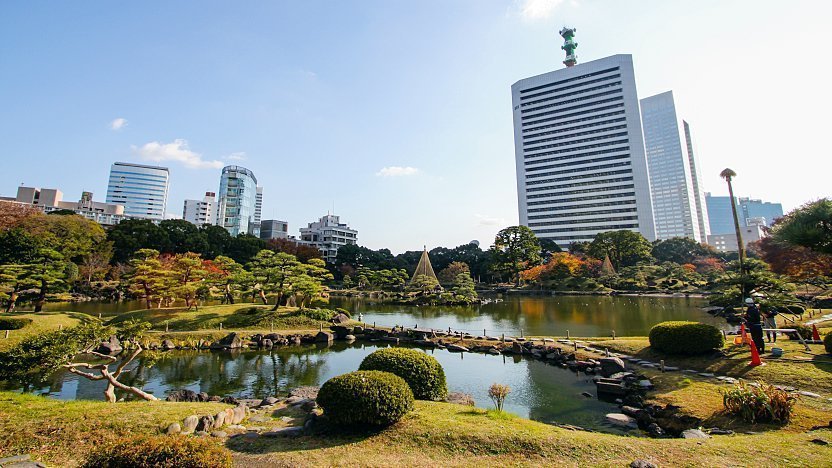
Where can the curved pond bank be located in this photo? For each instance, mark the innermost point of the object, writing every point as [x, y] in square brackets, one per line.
[540, 391]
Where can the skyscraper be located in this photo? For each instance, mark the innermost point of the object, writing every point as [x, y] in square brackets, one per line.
[237, 199]
[674, 185]
[141, 189]
[254, 225]
[579, 151]
[749, 211]
[200, 212]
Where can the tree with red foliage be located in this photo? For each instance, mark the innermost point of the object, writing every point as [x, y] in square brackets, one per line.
[304, 253]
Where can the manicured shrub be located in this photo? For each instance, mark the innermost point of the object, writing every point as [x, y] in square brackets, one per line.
[322, 315]
[343, 311]
[761, 403]
[685, 338]
[161, 451]
[422, 372]
[827, 342]
[805, 332]
[13, 323]
[371, 398]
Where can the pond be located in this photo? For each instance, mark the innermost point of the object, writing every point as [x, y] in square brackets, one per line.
[533, 315]
[539, 391]
[541, 315]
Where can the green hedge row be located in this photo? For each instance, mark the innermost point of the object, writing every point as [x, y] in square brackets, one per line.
[685, 338]
[13, 323]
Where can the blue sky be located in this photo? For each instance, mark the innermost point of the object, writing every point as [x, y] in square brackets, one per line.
[397, 113]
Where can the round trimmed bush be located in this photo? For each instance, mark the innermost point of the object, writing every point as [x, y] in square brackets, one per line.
[422, 372]
[161, 451]
[13, 323]
[685, 338]
[827, 342]
[372, 398]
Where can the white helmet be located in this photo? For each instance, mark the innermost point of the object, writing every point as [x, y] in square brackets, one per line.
[748, 300]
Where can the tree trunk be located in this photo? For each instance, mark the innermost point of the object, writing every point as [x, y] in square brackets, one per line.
[12, 301]
[41, 296]
[228, 296]
[147, 296]
[263, 297]
[740, 243]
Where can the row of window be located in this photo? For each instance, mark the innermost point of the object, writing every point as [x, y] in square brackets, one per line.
[572, 101]
[576, 142]
[581, 176]
[568, 80]
[585, 213]
[585, 118]
[580, 108]
[572, 135]
[578, 85]
[608, 227]
[527, 138]
[576, 162]
[577, 151]
[577, 169]
[535, 125]
[576, 192]
[577, 199]
[579, 184]
[584, 221]
[551, 209]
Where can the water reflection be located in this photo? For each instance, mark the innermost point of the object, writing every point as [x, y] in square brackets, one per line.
[539, 391]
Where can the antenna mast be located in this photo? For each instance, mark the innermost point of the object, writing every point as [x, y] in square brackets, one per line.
[569, 45]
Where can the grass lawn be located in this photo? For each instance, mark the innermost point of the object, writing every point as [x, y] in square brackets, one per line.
[232, 316]
[41, 322]
[63, 432]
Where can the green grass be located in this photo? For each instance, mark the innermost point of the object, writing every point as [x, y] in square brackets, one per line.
[63, 432]
[41, 322]
[231, 316]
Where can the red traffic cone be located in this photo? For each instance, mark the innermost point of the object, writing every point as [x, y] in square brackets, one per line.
[755, 356]
[815, 334]
[744, 335]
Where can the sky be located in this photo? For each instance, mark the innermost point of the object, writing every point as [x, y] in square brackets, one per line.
[396, 115]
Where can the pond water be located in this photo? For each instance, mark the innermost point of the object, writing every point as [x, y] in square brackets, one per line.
[531, 315]
[539, 391]
[541, 315]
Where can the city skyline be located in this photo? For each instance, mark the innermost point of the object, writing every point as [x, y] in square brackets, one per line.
[375, 116]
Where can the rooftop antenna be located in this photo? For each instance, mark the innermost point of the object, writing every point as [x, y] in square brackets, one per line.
[569, 45]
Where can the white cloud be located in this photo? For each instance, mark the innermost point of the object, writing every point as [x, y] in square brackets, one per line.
[118, 124]
[177, 151]
[238, 156]
[537, 9]
[397, 171]
[484, 220]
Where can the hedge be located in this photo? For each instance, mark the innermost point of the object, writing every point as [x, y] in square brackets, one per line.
[371, 398]
[685, 338]
[12, 323]
[422, 372]
[162, 451]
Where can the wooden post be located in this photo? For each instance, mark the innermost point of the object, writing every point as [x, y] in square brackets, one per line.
[613, 334]
[661, 365]
[521, 334]
[607, 352]
[724, 335]
[7, 334]
[483, 332]
[99, 316]
[567, 334]
[166, 327]
[271, 325]
[503, 337]
[576, 345]
[60, 327]
[220, 326]
[320, 326]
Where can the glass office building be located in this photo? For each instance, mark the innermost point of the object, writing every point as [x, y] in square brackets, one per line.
[141, 189]
[237, 201]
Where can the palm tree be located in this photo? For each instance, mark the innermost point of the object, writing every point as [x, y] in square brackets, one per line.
[728, 174]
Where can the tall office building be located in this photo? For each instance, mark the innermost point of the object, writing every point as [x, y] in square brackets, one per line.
[750, 212]
[579, 150]
[698, 188]
[200, 212]
[141, 189]
[674, 182]
[254, 225]
[237, 200]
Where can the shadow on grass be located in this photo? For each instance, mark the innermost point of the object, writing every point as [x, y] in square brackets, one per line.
[326, 436]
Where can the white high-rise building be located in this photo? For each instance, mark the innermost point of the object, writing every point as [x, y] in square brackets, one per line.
[141, 189]
[328, 234]
[581, 167]
[236, 202]
[201, 212]
[678, 202]
[254, 224]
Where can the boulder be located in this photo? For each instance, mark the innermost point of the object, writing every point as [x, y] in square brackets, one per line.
[349, 338]
[205, 424]
[340, 319]
[230, 400]
[219, 420]
[457, 348]
[111, 346]
[183, 395]
[189, 424]
[174, 428]
[229, 416]
[168, 345]
[267, 343]
[357, 330]
[268, 401]
[340, 331]
[230, 341]
[694, 434]
[621, 420]
[239, 414]
[641, 463]
[323, 337]
[517, 348]
[219, 434]
[612, 365]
